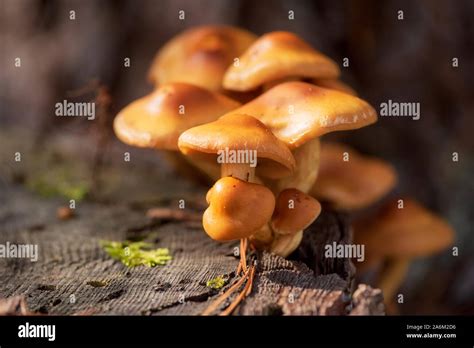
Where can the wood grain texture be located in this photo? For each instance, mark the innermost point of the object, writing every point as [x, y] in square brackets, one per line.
[367, 301]
[74, 275]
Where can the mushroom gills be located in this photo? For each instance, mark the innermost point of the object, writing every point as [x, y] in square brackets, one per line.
[240, 171]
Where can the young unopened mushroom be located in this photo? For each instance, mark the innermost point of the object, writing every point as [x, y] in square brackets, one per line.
[294, 211]
[298, 113]
[200, 56]
[158, 119]
[237, 209]
[398, 235]
[348, 180]
[276, 57]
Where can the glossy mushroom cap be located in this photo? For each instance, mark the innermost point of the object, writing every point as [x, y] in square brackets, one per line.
[409, 232]
[238, 132]
[158, 119]
[353, 184]
[297, 112]
[275, 56]
[237, 209]
[294, 211]
[200, 56]
[335, 84]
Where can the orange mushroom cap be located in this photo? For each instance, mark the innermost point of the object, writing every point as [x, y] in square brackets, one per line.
[278, 55]
[353, 184]
[239, 132]
[237, 209]
[412, 231]
[294, 211]
[338, 85]
[297, 112]
[200, 56]
[158, 119]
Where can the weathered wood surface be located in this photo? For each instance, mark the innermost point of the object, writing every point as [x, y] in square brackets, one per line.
[72, 264]
[367, 301]
[71, 259]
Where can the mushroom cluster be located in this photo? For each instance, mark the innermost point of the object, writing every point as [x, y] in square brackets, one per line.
[281, 127]
[247, 113]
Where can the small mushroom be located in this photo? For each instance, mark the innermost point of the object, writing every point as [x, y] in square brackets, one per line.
[200, 56]
[349, 180]
[298, 113]
[294, 211]
[276, 57]
[237, 209]
[158, 119]
[254, 147]
[397, 236]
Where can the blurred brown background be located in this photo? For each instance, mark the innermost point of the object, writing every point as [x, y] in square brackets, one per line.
[407, 60]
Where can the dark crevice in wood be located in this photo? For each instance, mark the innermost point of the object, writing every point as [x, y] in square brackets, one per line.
[195, 298]
[113, 295]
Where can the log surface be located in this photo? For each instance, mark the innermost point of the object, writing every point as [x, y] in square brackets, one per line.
[75, 276]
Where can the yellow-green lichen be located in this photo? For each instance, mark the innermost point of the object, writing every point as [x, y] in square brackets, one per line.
[216, 283]
[133, 254]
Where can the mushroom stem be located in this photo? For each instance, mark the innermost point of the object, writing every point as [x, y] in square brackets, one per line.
[306, 171]
[239, 171]
[391, 276]
[285, 244]
[243, 172]
[263, 238]
[243, 254]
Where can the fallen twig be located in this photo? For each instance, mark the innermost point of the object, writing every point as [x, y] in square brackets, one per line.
[173, 214]
[225, 295]
[244, 293]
